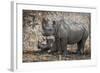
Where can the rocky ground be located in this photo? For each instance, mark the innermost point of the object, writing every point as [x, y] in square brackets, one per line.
[36, 57]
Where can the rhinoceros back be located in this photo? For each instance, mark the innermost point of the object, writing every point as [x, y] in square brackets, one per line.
[72, 33]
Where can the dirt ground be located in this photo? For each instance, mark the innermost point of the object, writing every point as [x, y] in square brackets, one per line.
[36, 57]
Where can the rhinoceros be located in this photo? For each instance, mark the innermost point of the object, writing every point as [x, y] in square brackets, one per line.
[65, 33]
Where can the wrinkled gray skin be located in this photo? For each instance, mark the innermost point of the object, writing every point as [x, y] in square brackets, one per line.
[45, 47]
[64, 34]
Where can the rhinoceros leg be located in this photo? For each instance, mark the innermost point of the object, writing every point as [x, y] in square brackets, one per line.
[64, 47]
[53, 49]
[56, 46]
[80, 46]
[81, 43]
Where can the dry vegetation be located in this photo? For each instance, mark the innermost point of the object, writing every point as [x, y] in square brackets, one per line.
[32, 33]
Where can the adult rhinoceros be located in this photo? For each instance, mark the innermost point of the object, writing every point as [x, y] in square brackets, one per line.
[65, 33]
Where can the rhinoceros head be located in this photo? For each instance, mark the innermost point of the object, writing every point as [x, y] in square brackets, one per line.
[48, 27]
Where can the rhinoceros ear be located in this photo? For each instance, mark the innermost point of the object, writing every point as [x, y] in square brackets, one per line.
[44, 21]
[54, 22]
